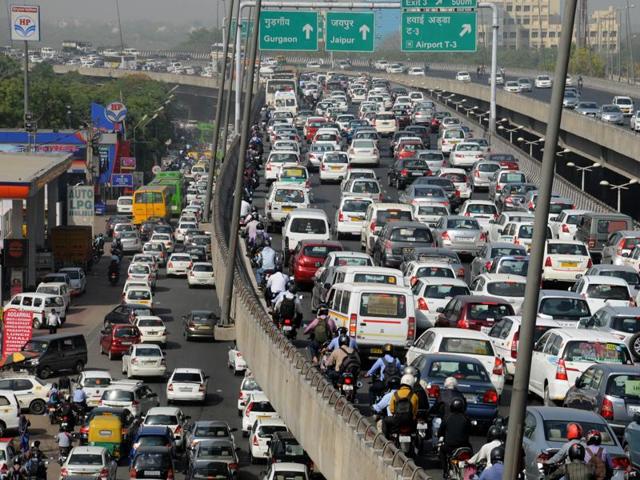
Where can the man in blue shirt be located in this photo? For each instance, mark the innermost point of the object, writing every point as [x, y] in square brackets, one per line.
[267, 259]
[389, 363]
[333, 344]
[79, 397]
[494, 472]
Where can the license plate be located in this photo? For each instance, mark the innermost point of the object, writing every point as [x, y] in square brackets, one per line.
[633, 409]
[404, 438]
[568, 264]
[376, 350]
[336, 168]
[153, 333]
[125, 343]
[287, 209]
[155, 473]
[416, 174]
[185, 389]
[347, 387]
[356, 219]
[408, 250]
[287, 328]
[471, 398]
[465, 239]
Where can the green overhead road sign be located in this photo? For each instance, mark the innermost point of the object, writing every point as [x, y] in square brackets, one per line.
[438, 31]
[349, 32]
[439, 3]
[245, 27]
[283, 30]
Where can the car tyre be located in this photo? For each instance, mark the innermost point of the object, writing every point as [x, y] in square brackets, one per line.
[78, 367]
[37, 407]
[3, 429]
[45, 372]
[546, 398]
[634, 343]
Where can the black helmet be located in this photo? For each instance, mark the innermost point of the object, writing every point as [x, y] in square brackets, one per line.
[393, 383]
[260, 226]
[576, 452]
[292, 287]
[387, 349]
[494, 433]
[343, 341]
[342, 330]
[457, 406]
[594, 437]
[497, 454]
[323, 310]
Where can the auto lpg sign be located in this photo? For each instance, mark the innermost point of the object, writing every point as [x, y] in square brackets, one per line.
[25, 23]
[80, 205]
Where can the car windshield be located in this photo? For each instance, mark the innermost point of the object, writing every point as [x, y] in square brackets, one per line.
[506, 289]
[85, 459]
[462, 224]
[443, 291]
[378, 304]
[161, 419]
[187, 377]
[125, 332]
[467, 346]
[315, 226]
[458, 369]
[556, 430]
[605, 291]
[487, 311]
[596, 352]
[35, 346]
[411, 234]
[624, 386]
[435, 271]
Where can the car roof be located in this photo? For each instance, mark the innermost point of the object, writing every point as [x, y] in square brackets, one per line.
[459, 332]
[89, 449]
[549, 293]
[330, 243]
[270, 421]
[400, 224]
[153, 430]
[443, 357]
[587, 335]
[504, 245]
[308, 212]
[163, 411]
[368, 269]
[443, 281]
[348, 253]
[540, 321]
[481, 299]
[570, 242]
[603, 279]
[503, 277]
[565, 413]
[288, 467]
[606, 267]
[187, 370]
[626, 311]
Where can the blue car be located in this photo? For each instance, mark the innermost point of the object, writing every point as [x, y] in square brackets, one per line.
[152, 436]
[473, 381]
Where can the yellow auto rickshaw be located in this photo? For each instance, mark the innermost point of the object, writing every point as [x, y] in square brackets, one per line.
[106, 431]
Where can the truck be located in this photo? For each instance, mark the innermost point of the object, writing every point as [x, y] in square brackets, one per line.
[72, 246]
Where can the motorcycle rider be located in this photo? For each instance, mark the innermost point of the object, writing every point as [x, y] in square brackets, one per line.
[114, 268]
[245, 208]
[334, 364]
[333, 344]
[595, 448]
[79, 401]
[251, 229]
[322, 328]
[383, 405]
[442, 407]
[276, 284]
[260, 240]
[420, 390]
[267, 261]
[574, 435]
[63, 439]
[576, 469]
[389, 367]
[287, 305]
[495, 471]
[403, 407]
[454, 430]
[53, 395]
[494, 439]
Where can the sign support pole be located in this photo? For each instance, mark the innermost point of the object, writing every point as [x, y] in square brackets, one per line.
[227, 106]
[26, 91]
[520, 392]
[494, 63]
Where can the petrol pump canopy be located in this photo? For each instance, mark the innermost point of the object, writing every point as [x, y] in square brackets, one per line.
[23, 174]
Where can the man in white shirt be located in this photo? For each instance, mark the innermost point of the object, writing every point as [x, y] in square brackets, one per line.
[276, 284]
[53, 321]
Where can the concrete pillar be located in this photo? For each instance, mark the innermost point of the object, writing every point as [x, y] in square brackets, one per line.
[32, 228]
[52, 205]
[16, 219]
[39, 232]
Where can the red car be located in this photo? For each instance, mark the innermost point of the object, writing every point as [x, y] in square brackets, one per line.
[475, 312]
[312, 126]
[308, 256]
[116, 339]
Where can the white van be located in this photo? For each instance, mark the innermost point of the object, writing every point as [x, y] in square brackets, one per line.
[124, 205]
[374, 315]
[304, 224]
[282, 199]
[9, 411]
[56, 288]
[40, 304]
[369, 274]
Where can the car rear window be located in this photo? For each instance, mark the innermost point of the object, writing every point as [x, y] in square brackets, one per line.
[443, 291]
[138, 295]
[506, 289]
[411, 234]
[153, 441]
[513, 267]
[565, 308]
[85, 459]
[462, 370]
[202, 268]
[319, 251]
[264, 407]
[161, 419]
[608, 292]
[148, 352]
[211, 430]
[151, 460]
[150, 322]
[125, 332]
[463, 224]
[432, 210]
[611, 226]
[279, 157]
[187, 377]
[486, 311]
[435, 271]
[118, 396]
[384, 216]
[596, 352]
[97, 382]
[365, 186]
[378, 304]
[567, 249]
[316, 226]
[512, 178]
[631, 278]
[415, 163]
[468, 346]
[556, 430]
[626, 324]
[286, 195]
[374, 278]
[359, 206]
[455, 177]
[624, 386]
[336, 157]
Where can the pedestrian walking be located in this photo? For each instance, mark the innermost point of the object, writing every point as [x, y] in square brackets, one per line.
[23, 431]
[53, 321]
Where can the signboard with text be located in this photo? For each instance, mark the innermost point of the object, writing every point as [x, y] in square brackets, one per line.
[80, 205]
[25, 23]
[128, 163]
[122, 180]
[438, 31]
[17, 329]
[439, 4]
[289, 30]
[350, 32]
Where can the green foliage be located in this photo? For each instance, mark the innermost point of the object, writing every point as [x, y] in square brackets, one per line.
[586, 62]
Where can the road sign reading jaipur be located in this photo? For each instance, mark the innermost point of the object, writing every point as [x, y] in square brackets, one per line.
[349, 32]
[439, 31]
[283, 30]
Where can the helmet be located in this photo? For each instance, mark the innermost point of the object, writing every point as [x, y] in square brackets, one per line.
[387, 349]
[594, 437]
[260, 226]
[497, 454]
[67, 397]
[457, 406]
[254, 209]
[342, 330]
[410, 370]
[574, 431]
[450, 383]
[408, 380]
[343, 341]
[292, 287]
[393, 383]
[576, 452]
[494, 433]
[323, 311]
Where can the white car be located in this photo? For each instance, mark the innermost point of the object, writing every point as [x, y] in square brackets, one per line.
[89, 462]
[134, 396]
[414, 270]
[395, 68]
[32, 394]
[465, 154]
[147, 258]
[142, 272]
[543, 81]
[277, 160]
[139, 296]
[277, 471]
[565, 260]
[201, 274]
[248, 387]
[164, 238]
[77, 280]
[183, 226]
[429, 211]
[260, 408]
[565, 225]
[461, 341]
[124, 205]
[363, 151]
[7, 453]
[286, 146]
[350, 215]
[416, 71]
[634, 121]
[260, 436]
[236, 361]
[460, 180]
[179, 264]
[171, 417]
[512, 86]
[482, 210]
[187, 384]
[463, 77]
[333, 166]
[431, 294]
[599, 291]
[94, 383]
[152, 329]
[502, 285]
[144, 360]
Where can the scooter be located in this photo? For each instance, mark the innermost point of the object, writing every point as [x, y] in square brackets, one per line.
[348, 386]
[114, 277]
[457, 462]
[288, 328]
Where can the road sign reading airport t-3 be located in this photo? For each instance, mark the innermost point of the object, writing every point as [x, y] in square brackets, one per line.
[283, 30]
[439, 31]
[349, 32]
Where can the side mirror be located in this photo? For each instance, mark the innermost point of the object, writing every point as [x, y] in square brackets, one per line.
[636, 417]
[577, 382]
[440, 309]
[233, 429]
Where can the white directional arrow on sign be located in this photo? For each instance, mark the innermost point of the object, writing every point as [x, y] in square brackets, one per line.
[466, 28]
[307, 29]
[364, 30]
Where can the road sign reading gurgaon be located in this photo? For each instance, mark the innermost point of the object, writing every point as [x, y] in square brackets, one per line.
[439, 3]
[349, 32]
[284, 30]
[439, 31]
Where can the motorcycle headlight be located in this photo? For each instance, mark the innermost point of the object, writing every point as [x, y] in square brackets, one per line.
[35, 361]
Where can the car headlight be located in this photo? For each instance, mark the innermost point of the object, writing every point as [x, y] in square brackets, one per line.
[35, 361]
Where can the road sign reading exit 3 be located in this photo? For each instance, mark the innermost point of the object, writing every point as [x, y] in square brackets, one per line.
[439, 31]
[349, 32]
[289, 30]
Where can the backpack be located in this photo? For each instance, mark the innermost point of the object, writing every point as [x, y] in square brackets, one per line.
[321, 332]
[598, 464]
[391, 370]
[351, 362]
[403, 405]
[287, 308]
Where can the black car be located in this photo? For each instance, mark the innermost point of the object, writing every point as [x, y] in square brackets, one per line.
[152, 462]
[403, 172]
[163, 229]
[422, 132]
[285, 448]
[197, 252]
[111, 222]
[124, 313]
[447, 185]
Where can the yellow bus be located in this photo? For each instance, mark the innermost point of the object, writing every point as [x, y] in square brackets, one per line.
[151, 201]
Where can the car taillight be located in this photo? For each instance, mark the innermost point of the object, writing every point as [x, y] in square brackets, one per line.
[487, 266]
[170, 387]
[178, 430]
[460, 272]
[514, 345]
[498, 187]
[388, 245]
[620, 246]
[606, 409]
[490, 396]
[201, 388]
[64, 472]
[547, 262]
[620, 463]
[348, 380]
[340, 216]
[457, 193]
[4, 469]
[255, 441]
[170, 475]
[353, 322]
[483, 237]
[404, 172]
[462, 323]
[233, 466]
[411, 330]
[589, 263]
[433, 391]
[476, 173]
[467, 214]
[422, 304]
[565, 228]
[498, 367]
[591, 243]
[247, 410]
[561, 371]
[445, 235]
[372, 226]
[104, 473]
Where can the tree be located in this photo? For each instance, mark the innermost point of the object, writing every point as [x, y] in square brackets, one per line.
[586, 62]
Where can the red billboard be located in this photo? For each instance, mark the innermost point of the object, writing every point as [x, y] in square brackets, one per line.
[17, 330]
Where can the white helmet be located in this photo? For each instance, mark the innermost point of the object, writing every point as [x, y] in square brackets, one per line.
[408, 380]
[450, 383]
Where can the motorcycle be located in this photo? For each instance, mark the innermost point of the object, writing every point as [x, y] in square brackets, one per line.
[52, 413]
[406, 440]
[66, 424]
[457, 462]
[114, 277]
[348, 386]
[63, 454]
[288, 328]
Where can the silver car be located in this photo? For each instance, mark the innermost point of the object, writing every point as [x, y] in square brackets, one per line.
[611, 114]
[626, 272]
[414, 193]
[484, 259]
[434, 158]
[623, 322]
[589, 109]
[131, 242]
[570, 99]
[459, 233]
[525, 84]
[481, 173]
